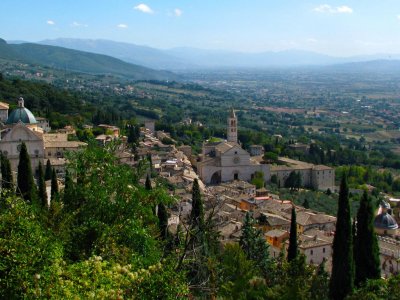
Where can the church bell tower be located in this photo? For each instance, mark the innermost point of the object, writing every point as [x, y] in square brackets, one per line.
[232, 127]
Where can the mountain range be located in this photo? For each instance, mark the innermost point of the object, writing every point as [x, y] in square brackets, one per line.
[78, 61]
[193, 58]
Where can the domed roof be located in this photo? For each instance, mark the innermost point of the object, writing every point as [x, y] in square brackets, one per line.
[385, 221]
[21, 114]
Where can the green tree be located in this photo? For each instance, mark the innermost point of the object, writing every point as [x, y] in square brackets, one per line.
[54, 185]
[258, 180]
[148, 183]
[162, 220]
[69, 195]
[25, 183]
[292, 250]
[47, 175]
[42, 186]
[238, 277]
[6, 174]
[306, 204]
[197, 213]
[342, 279]
[319, 289]
[254, 245]
[366, 258]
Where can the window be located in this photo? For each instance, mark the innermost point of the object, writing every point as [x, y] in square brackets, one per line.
[311, 252]
[323, 250]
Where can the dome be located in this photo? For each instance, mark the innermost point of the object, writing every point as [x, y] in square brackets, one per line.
[21, 114]
[385, 221]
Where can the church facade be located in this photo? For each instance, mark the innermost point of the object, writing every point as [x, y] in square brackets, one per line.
[227, 160]
[22, 126]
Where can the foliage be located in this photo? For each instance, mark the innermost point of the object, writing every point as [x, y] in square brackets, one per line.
[54, 185]
[7, 181]
[258, 180]
[42, 187]
[197, 213]
[254, 246]
[49, 170]
[342, 279]
[366, 254]
[25, 184]
[293, 181]
[292, 250]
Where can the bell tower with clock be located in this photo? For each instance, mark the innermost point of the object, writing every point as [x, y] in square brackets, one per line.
[232, 127]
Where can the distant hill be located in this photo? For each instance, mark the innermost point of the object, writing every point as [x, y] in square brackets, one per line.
[140, 55]
[78, 61]
[193, 58]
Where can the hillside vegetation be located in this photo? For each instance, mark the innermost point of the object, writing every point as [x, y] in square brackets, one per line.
[79, 61]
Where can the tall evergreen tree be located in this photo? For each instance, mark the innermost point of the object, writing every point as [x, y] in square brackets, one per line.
[25, 183]
[47, 174]
[54, 185]
[367, 255]
[6, 174]
[306, 204]
[148, 183]
[162, 220]
[68, 196]
[292, 250]
[342, 279]
[254, 245]
[197, 213]
[42, 186]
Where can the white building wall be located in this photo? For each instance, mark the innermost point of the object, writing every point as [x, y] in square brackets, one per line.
[315, 255]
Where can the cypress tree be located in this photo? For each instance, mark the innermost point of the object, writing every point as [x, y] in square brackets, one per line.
[47, 174]
[68, 196]
[6, 174]
[25, 183]
[367, 255]
[148, 183]
[342, 279]
[54, 185]
[162, 220]
[306, 204]
[292, 250]
[42, 186]
[197, 213]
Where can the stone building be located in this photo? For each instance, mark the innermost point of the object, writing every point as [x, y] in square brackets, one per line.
[3, 112]
[22, 126]
[227, 160]
[319, 177]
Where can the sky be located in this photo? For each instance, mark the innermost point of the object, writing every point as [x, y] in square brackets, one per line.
[338, 28]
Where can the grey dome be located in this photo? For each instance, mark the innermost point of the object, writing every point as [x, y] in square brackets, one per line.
[385, 221]
[21, 114]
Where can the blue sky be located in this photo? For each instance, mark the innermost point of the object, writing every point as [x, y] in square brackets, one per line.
[340, 28]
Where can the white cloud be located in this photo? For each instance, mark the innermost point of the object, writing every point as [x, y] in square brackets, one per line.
[144, 8]
[326, 8]
[178, 12]
[398, 17]
[51, 22]
[312, 40]
[122, 26]
[77, 24]
[344, 9]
